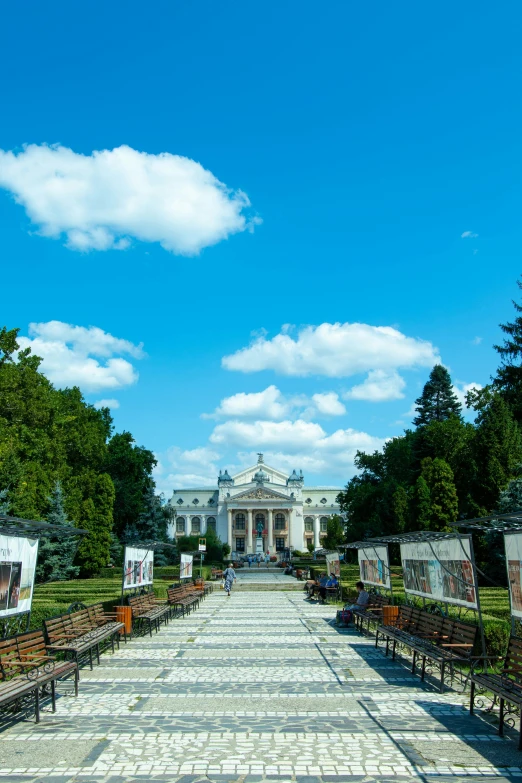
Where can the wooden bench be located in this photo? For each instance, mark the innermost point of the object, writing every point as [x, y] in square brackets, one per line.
[216, 573]
[178, 596]
[81, 632]
[439, 639]
[505, 686]
[147, 609]
[26, 668]
[372, 612]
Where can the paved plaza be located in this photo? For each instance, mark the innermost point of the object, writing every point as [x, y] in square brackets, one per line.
[258, 686]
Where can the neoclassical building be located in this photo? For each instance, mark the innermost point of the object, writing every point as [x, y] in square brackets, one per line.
[261, 509]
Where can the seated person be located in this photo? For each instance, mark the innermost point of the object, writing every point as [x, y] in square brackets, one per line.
[363, 598]
[331, 582]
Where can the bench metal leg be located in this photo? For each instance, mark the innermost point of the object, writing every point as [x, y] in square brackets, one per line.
[376, 637]
[76, 679]
[387, 645]
[442, 666]
[53, 695]
[90, 658]
[98, 653]
[423, 669]
[37, 705]
[393, 650]
[413, 661]
[471, 697]
[501, 718]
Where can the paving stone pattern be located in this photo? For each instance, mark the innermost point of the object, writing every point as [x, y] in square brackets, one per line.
[261, 686]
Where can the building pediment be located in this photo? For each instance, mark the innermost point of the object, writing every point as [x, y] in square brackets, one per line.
[261, 493]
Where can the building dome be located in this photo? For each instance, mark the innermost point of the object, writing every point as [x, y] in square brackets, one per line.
[261, 477]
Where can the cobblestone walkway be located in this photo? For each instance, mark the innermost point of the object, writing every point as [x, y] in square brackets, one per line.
[258, 686]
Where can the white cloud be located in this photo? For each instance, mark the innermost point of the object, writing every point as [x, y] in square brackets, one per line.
[378, 386]
[329, 404]
[334, 350]
[267, 404]
[102, 201]
[462, 389]
[273, 405]
[84, 357]
[265, 434]
[188, 468]
[468, 235]
[298, 444]
[477, 340]
[107, 404]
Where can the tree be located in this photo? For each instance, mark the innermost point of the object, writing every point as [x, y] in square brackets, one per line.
[438, 401]
[130, 468]
[496, 451]
[56, 555]
[444, 502]
[400, 508]
[421, 505]
[511, 497]
[508, 381]
[4, 502]
[96, 517]
[335, 534]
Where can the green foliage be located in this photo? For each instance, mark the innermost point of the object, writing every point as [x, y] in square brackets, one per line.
[130, 468]
[216, 552]
[443, 495]
[56, 556]
[421, 504]
[497, 453]
[438, 401]
[335, 533]
[96, 517]
[496, 634]
[508, 380]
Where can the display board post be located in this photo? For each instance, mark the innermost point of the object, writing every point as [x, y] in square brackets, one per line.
[442, 570]
[138, 568]
[185, 566]
[18, 556]
[374, 566]
[513, 550]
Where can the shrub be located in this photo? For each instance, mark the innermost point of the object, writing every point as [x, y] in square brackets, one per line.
[496, 633]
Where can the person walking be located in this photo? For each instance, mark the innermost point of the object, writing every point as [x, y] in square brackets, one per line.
[250, 561]
[267, 559]
[229, 575]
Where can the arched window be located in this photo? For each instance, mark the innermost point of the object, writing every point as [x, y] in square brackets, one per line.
[180, 525]
[280, 521]
[211, 524]
[309, 525]
[196, 525]
[324, 524]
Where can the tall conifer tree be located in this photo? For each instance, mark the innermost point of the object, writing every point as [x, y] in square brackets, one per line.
[438, 401]
[508, 380]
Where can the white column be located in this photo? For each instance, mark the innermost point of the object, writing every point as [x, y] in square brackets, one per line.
[290, 523]
[188, 521]
[229, 528]
[270, 532]
[316, 533]
[250, 535]
[203, 526]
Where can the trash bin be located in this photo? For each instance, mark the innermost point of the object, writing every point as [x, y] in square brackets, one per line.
[389, 615]
[124, 615]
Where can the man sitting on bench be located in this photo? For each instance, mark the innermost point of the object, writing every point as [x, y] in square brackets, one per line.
[332, 582]
[363, 598]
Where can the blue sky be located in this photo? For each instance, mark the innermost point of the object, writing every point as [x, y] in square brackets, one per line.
[357, 145]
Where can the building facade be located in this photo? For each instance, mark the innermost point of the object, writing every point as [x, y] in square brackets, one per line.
[259, 510]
